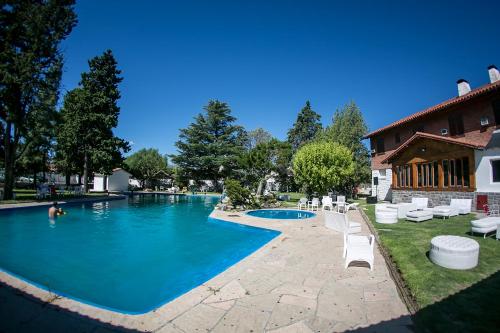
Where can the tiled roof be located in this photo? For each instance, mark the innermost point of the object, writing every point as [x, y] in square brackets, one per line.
[420, 135]
[441, 106]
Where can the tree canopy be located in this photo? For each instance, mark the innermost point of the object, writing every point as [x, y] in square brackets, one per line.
[305, 127]
[89, 114]
[30, 73]
[270, 157]
[348, 128]
[147, 165]
[209, 148]
[322, 166]
[258, 136]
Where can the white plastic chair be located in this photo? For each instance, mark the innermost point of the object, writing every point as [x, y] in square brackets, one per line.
[302, 203]
[327, 203]
[354, 240]
[341, 203]
[314, 203]
[360, 251]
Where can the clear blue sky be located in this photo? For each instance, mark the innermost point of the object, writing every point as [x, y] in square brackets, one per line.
[266, 58]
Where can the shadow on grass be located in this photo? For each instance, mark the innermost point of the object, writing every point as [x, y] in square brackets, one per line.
[474, 309]
[21, 312]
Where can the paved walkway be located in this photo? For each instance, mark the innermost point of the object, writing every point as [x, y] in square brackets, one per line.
[295, 283]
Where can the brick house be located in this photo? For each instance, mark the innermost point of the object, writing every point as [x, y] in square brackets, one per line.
[450, 150]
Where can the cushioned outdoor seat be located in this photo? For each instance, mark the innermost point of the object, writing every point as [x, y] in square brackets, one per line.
[444, 211]
[485, 225]
[386, 216]
[419, 215]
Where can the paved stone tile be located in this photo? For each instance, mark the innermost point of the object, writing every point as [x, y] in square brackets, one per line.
[169, 328]
[201, 318]
[308, 303]
[299, 327]
[264, 302]
[232, 290]
[226, 305]
[286, 314]
[242, 320]
[297, 290]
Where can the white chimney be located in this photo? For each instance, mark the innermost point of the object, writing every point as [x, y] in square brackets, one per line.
[493, 73]
[463, 87]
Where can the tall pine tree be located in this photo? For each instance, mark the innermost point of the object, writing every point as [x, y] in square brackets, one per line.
[305, 127]
[210, 147]
[30, 63]
[89, 116]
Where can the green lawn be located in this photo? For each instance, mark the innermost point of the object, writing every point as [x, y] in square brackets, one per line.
[449, 299]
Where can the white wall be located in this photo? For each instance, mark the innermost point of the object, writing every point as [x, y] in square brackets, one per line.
[483, 170]
[98, 183]
[118, 181]
[384, 184]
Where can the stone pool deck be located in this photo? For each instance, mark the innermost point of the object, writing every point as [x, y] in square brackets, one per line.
[295, 283]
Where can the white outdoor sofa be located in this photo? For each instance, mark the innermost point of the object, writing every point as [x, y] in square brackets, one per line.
[485, 225]
[385, 215]
[463, 205]
[421, 203]
[419, 215]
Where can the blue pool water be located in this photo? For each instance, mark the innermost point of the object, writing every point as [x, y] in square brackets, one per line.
[281, 214]
[126, 255]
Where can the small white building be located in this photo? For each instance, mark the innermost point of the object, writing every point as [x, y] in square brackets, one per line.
[116, 182]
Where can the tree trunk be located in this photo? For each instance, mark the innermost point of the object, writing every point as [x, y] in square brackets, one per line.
[68, 179]
[10, 151]
[85, 172]
[259, 188]
[34, 178]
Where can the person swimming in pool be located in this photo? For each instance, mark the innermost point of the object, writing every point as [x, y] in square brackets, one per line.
[60, 212]
[53, 210]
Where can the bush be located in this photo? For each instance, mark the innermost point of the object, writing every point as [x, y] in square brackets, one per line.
[239, 195]
[322, 166]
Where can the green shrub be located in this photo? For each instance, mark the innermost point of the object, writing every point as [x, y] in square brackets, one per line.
[239, 195]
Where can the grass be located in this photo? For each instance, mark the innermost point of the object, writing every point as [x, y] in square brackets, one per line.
[449, 299]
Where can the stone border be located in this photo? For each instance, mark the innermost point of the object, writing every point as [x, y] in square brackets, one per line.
[33, 204]
[402, 288]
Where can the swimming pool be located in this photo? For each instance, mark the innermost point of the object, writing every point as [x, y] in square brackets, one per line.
[129, 255]
[285, 214]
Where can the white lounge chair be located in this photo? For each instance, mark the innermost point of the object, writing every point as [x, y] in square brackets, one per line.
[485, 225]
[421, 203]
[327, 203]
[314, 203]
[302, 203]
[356, 249]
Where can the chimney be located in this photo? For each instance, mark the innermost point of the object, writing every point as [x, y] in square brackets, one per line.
[463, 87]
[494, 74]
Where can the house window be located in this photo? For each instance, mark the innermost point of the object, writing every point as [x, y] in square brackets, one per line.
[495, 171]
[436, 174]
[465, 165]
[446, 173]
[496, 110]
[458, 164]
[382, 174]
[404, 176]
[397, 138]
[452, 173]
[456, 123]
[380, 145]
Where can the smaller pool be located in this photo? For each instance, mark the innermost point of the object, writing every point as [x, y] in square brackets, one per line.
[284, 214]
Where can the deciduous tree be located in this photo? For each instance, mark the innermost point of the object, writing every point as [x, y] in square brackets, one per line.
[348, 128]
[147, 165]
[322, 166]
